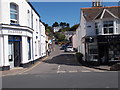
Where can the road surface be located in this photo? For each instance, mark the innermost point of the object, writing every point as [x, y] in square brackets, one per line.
[61, 70]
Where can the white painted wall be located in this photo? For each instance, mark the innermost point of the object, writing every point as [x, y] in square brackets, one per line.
[24, 50]
[90, 28]
[23, 21]
[82, 33]
[43, 40]
[36, 37]
[5, 50]
[5, 12]
[1, 51]
[78, 38]
[74, 41]
[23, 12]
[0, 12]
[119, 26]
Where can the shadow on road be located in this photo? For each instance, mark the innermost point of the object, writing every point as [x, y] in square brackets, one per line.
[63, 59]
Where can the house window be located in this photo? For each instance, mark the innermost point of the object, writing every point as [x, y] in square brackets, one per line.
[13, 13]
[35, 48]
[36, 26]
[97, 27]
[108, 27]
[31, 20]
[28, 18]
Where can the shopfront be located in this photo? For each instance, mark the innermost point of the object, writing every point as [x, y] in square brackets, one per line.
[104, 49]
[109, 48]
[16, 47]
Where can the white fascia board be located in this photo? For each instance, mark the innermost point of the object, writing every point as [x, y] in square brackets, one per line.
[105, 10]
[17, 27]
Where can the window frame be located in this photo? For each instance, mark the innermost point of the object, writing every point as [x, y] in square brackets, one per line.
[14, 12]
[108, 27]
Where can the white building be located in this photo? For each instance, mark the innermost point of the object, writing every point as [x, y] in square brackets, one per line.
[74, 41]
[69, 34]
[99, 33]
[43, 40]
[78, 38]
[56, 29]
[20, 36]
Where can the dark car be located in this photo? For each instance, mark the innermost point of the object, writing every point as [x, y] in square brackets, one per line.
[63, 47]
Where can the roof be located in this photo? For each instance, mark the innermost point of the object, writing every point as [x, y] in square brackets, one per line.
[32, 7]
[96, 12]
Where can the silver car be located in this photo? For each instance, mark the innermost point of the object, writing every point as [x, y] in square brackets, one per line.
[69, 49]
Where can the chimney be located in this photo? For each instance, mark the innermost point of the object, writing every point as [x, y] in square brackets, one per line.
[96, 3]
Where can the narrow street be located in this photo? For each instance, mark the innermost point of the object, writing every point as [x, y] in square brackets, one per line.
[59, 62]
[61, 70]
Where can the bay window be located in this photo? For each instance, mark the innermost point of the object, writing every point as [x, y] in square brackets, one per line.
[108, 27]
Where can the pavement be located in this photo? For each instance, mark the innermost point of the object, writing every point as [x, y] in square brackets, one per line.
[19, 70]
[102, 67]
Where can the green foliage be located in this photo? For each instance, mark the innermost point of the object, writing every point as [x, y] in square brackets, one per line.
[64, 24]
[79, 54]
[73, 28]
[64, 29]
[79, 57]
[55, 24]
[59, 37]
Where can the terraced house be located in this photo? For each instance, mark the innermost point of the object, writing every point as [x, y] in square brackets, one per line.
[99, 33]
[20, 34]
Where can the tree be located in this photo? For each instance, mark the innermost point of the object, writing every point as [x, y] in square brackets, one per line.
[68, 25]
[55, 24]
[74, 27]
[59, 36]
[63, 24]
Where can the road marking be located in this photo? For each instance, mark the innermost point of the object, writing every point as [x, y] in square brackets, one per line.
[58, 69]
[107, 87]
[85, 71]
[61, 71]
[73, 71]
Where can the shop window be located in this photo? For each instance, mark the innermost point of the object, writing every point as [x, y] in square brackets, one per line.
[13, 13]
[114, 52]
[108, 27]
[29, 48]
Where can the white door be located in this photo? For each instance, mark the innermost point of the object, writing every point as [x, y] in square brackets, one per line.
[11, 54]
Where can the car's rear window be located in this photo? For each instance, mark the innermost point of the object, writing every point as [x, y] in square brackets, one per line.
[69, 47]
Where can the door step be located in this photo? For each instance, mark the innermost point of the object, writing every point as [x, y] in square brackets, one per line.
[16, 68]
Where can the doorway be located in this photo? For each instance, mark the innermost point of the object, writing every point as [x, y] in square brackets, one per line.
[17, 58]
[14, 54]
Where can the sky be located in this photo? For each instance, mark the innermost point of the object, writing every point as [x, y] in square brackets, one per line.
[68, 12]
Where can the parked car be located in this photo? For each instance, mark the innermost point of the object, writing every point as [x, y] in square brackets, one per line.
[69, 49]
[63, 47]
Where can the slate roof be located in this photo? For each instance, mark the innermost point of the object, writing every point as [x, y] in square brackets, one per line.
[96, 12]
